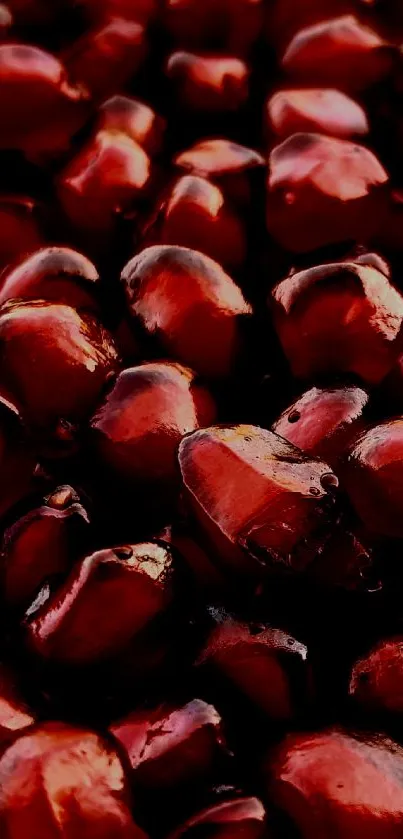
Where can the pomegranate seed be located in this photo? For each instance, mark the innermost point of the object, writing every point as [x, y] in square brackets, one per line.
[339, 52]
[138, 427]
[264, 664]
[59, 275]
[55, 361]
[140, 579]
[77, 773]
[125, 115]
[326, 767]
[171, 746]
[315, 110]
[324, 421]
[227, 164]
[106, 58]
[195, 215]
[373, 476]
[339, 318]
[323, 190]
[42, 544]
[276, 517]
[377, 678]
[106, 178]
[40, 110]
[209, 82]
[180, 296]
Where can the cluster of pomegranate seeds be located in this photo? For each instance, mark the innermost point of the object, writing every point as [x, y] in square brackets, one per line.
[201, 419]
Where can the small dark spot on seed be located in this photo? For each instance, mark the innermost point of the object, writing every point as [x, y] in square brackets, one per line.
[294, 416]
[124, 552]
[329, 481]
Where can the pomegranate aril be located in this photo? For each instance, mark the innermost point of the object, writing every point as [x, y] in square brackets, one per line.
[339, 318]
[226, 163]
[79, 624]
[179, 296]
[333, 777]
[42, 544]
[105, 59]
[55, 274]
[74, 772]
[324, 421]
[323, 190]
[284, 18]
[39, 109]
[196, 215]
[259, 502]
[125, 115]
[55, 362]
[136, 431]
[208, 82]
[108, 177]
[340, 52]
[373, 476]
[376, 682]
[266, 666]
[315, 110]
[171, 748]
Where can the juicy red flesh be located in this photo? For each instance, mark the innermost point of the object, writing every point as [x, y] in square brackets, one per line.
[339, 318]
[260, 663]
[140, 578]
[323, 190]
[171, 746]
[352, 780]
[324, 421]
[201, 419]
[123, 114]
[209, 83]
[195, 214]
[143, 419]
[377, 678]
[179, 296]
[227, 164]
[75, 353]
[41, 545]
[95, 783]
[315, 110]
[107, 57]
[253, 494]
[339, 52]
[55, 274]
[374, 475]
